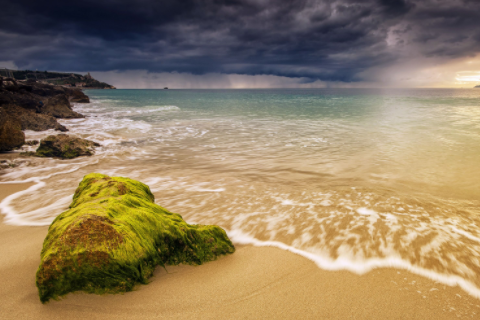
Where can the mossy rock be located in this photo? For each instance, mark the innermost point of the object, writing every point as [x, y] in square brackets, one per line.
[64, 146]
[114, 235]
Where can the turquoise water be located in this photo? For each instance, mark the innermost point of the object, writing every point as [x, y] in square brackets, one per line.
[427, 137]
[351, 178]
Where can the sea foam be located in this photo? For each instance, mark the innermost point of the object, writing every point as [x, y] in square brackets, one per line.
[324, 187]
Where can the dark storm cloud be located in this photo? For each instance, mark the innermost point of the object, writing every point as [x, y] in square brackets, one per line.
[396, 7]
[328, 40]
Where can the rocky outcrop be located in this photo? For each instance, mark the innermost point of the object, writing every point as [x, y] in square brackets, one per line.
[114, 235]
[45, 90]
[36, 106]
[70, 80]
[11, 135]
[40, 122]
[59, 107]
[64, 146]
[77, 96]
[30, 120]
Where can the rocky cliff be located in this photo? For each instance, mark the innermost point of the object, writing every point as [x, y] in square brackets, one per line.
[30, 105]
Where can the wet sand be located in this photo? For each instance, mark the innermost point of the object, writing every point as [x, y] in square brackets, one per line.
[253, 283]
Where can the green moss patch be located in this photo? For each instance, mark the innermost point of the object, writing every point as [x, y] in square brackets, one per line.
[65, 147]
[114, 235]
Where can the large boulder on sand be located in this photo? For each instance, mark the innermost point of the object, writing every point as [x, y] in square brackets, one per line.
[65, 147]
[11, 134]
[114, 235]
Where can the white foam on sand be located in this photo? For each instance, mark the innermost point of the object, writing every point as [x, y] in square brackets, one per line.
[42, 216]
[366, 212]
[359, 266]
[466, 234]
[38, 217]
[207, 190]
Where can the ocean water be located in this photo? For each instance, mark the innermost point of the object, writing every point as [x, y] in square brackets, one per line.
[352, 179]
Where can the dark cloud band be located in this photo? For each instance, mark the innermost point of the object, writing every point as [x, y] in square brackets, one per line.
[332, 40]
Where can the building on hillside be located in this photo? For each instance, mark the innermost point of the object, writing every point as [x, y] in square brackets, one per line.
[80, 84]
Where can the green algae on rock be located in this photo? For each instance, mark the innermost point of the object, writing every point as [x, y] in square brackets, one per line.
[65, 147]
[114, 235]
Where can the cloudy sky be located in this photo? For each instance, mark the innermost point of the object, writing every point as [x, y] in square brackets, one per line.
[254, 43]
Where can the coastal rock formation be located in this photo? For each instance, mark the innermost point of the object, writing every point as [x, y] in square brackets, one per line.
[45, 90]
[71, 80]
[59, 107]
[30, 120]
[11, 135]
[114, 235]
[36, 105]
[65, 147]
[65, 80]
[77, 96]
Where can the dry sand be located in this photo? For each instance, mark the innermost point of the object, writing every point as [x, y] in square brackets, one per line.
[253, 283]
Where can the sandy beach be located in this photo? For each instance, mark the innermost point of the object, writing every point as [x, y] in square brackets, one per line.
[240, 159]
[253, 283]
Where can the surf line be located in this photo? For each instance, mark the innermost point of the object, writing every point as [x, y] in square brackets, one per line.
[324, 263]
[14, 218]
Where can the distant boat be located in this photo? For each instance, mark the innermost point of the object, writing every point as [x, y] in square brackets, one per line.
[165, 88]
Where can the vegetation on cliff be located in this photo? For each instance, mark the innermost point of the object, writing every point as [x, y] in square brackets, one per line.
[114, 235]
[60, 78]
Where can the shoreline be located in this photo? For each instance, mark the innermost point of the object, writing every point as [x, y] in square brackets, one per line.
[260, 280]
[254, 282]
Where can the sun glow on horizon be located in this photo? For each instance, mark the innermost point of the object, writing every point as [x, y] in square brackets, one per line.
[468, 76]
[460, 73]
